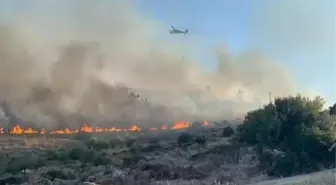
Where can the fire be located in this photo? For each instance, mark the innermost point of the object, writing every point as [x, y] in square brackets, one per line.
[163, 127]
[65, 131]
[205, 123]
[86, 128]
[180, 125]
[17, 130]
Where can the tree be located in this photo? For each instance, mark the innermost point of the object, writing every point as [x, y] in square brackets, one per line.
[298, 127]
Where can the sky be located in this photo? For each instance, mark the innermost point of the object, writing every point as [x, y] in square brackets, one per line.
[298, 34]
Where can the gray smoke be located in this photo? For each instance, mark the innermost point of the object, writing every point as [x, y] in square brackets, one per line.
[85, 66]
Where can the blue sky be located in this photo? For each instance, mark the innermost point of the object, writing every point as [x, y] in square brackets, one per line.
[217, 23]
[300, 34]
[292, 32]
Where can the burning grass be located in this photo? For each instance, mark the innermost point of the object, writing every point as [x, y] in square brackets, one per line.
[86, 128]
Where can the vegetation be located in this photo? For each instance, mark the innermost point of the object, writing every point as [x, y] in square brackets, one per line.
[228, 131]
[298, 129]
[201, 140]
[293, 135]
[184, 139]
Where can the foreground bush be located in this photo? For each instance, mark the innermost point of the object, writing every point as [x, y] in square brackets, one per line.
[298, 128]
[184, 139]
[21, 163]
[228, 131]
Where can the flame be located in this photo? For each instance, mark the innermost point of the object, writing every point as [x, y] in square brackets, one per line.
[180, 125]
[163, 127]
[17, 130]
[205, 123]
[86, 128]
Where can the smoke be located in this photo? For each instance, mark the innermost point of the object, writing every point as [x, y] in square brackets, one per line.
[81, 63]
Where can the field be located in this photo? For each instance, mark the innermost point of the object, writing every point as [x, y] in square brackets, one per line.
[192, 156]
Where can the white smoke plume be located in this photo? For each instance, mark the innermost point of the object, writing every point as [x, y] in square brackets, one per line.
[67, 66]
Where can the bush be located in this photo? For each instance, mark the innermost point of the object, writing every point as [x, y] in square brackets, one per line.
[228, 131]
[184, 139]
[12, 179]
[131, 159]
[102, 161]
[115, 143]
[58, 154]
[151, 148]
[21, 163]
[58, 173]
[88, 156]
[76, 154]
[201, 140]
[296, 126]
[101, 145]
[129, 142]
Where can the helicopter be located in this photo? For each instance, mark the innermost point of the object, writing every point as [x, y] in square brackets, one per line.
[176, 31]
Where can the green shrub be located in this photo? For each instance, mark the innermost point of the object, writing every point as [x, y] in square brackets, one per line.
[58, 173]
[12, 179]
[228, 131]
[296, 126]
[76, 154]
[88, 156]
[201, 140]
[129, 142]
[184, 139]
[151, 148]
[21, 163]
[102, 161]
[131, 159]
[57, 154]
[115, 143]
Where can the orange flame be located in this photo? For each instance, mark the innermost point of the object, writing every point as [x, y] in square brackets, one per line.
[17, 130]
[181, 125]
[205, 123]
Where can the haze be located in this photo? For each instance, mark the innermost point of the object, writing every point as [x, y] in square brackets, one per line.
[84, 58]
